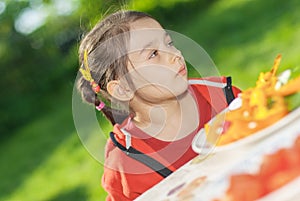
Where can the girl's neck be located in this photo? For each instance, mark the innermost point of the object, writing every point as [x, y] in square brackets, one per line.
[170, 120]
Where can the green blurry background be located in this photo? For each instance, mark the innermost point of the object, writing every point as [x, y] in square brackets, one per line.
[41, 155]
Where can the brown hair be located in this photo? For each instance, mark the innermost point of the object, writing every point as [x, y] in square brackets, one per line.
[107, 58]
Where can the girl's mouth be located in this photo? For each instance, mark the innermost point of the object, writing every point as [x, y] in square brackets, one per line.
[182, 70]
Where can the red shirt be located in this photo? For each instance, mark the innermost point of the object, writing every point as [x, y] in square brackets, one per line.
[125, 178]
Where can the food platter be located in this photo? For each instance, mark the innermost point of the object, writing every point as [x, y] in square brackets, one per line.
[282, 137]
[202, 146]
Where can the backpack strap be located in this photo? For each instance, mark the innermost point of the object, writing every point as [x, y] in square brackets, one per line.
[228, 90]
[218, 91]
[143, 158]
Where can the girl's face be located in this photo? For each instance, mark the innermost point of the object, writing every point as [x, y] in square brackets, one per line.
[156, 67]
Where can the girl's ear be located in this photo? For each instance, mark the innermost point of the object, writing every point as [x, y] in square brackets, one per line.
[116, 90]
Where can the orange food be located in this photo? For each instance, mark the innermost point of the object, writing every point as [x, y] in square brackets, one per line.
[261, 106]
[292, 87]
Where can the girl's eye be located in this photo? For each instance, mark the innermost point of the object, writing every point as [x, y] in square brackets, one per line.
[171, 43]
[153, 54]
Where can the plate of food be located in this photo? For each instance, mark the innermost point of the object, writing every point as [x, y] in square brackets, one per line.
[255, 114]
[276, 175]
[269, 172]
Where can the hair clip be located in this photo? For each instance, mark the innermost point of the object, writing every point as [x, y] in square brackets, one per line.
[86, 73]
[100, 106]
[96, 88]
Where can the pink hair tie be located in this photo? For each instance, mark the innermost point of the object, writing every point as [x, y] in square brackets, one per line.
[100, 106]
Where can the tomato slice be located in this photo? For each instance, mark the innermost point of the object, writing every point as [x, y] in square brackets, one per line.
[245, 187]
[271, 164]
[297, 144]
[281, 178]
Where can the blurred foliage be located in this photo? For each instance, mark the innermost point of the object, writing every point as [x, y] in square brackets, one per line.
[35, 66]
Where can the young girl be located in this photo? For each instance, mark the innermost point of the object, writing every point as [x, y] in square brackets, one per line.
[132, 72]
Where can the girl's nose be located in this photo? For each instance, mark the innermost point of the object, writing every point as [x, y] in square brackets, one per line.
[174, 56]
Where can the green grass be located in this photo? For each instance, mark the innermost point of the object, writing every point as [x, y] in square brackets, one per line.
[45, 160]
[243, 37]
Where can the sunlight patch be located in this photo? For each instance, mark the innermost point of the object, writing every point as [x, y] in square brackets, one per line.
[2, 7]
[29, 20]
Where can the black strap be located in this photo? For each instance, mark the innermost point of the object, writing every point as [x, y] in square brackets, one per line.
[228, 91]
[143, 158]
